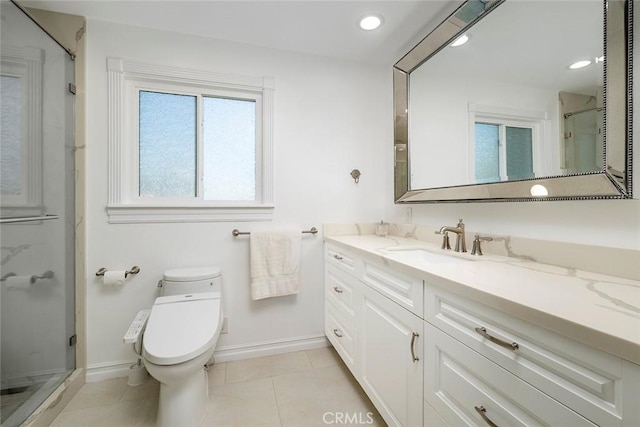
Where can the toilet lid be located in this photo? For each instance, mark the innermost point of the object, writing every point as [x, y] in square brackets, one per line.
[192, 274]
[181, 327]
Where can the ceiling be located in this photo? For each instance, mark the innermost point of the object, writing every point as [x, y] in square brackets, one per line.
[573, 28]
[321, 27]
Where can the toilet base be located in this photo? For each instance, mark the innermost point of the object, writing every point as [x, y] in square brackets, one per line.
[184, 392]
[184, 404]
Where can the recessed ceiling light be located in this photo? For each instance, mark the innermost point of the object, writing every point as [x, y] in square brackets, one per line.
[580, 64]
[460, 40]
[370, 22]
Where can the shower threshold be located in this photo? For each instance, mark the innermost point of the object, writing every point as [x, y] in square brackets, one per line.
[18, 403]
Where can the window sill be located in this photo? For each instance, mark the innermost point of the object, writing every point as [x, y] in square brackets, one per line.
[134, 214]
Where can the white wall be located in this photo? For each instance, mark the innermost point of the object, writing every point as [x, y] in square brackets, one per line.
[447, 122]
[330, 118]
[611, 223]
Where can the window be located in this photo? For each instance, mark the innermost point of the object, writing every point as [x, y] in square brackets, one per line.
[507, 144]
[21, 131]
[503, 153]
[188, 145]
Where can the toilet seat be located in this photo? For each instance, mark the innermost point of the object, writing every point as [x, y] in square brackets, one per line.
[182, 327]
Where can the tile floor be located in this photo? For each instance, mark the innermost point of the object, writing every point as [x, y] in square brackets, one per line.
[306, 388]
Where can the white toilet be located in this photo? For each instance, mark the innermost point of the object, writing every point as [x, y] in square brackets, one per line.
[179, 340]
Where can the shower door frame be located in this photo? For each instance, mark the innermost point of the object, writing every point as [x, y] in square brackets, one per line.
[68, 31]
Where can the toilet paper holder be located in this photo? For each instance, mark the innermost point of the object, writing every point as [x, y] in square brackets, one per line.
[134, 270]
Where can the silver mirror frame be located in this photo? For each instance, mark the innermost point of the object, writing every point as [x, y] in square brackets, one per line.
[603, 184]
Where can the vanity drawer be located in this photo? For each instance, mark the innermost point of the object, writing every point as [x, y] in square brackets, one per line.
[342, 334]
[586, 380]
[468, 389]
[404, 290]
[342, 259]
[340, 288]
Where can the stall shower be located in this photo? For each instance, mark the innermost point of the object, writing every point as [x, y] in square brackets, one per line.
[583, 145]
[37, 220]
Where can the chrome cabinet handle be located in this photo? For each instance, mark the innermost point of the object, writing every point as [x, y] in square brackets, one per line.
[338, 257]
[335, 331]
[337, 289]
[510, 345]
[483, 413]
[414, 335]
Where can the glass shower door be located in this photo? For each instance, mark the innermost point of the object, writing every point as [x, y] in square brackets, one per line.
[37, 220]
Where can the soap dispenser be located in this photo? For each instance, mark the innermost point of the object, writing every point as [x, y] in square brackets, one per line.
[382, 229]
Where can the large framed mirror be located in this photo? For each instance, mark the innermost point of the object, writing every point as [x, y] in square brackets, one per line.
[535, 105]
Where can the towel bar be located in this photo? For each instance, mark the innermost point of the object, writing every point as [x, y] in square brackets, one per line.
[237, 232]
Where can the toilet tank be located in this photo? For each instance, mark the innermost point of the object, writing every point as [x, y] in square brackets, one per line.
[192, 280]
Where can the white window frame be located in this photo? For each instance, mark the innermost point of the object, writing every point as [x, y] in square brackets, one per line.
[26, 63]
[537, 121]
[125, 80]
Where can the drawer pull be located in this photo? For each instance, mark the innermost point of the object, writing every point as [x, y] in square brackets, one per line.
[482, 411]
[338, 257]
[414, 335]
[337, 289]
[483, 331]
[336, 333]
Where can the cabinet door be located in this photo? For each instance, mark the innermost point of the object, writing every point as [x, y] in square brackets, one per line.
[391, 359]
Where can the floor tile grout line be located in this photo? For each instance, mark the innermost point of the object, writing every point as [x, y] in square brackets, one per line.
[275, 396]
[226, 366]
[310, 367]
[306, 353]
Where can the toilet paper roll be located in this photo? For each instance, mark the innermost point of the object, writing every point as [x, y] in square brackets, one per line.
[114, 278]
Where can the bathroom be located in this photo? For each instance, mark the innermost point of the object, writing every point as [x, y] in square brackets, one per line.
[331, 115]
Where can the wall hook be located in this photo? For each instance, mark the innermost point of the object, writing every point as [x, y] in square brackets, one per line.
[355, 174]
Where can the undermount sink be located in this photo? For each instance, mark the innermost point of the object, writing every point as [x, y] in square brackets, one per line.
[413, 254]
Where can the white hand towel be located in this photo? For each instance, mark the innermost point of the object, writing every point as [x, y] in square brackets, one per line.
[275, 262]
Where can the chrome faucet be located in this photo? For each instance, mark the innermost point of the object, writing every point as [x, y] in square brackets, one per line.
[461, 245]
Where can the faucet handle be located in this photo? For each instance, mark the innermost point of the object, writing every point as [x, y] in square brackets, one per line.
[445, 241]
[477, 248]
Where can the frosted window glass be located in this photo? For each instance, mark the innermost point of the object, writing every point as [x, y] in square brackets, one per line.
[229, 149]
[487, 153]
[168, 145]
[10, 136]
[519, 153]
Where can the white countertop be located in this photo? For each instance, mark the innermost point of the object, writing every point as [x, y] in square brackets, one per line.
[598, 310]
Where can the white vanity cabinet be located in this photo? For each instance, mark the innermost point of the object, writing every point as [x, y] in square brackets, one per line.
[468, 389]
[391, 361]
[370, 319]
[342, 295]
[426, 355]
[595, 384]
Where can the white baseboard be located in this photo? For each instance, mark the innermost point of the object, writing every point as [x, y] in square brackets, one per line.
[240, 352]
[120, 369]
[109, 370]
